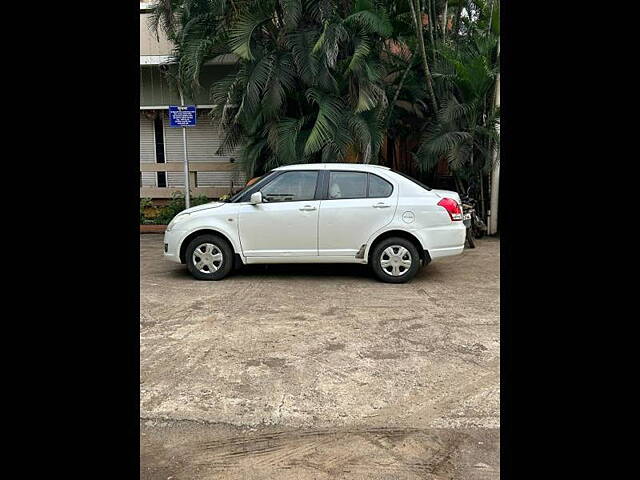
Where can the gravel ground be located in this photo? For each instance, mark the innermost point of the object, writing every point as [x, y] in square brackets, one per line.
[320, 371]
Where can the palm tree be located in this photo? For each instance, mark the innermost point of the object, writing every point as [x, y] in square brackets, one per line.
[466, 126]
[328, 80]
[309, 82]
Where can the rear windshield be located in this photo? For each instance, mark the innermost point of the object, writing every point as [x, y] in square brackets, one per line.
[417, 182]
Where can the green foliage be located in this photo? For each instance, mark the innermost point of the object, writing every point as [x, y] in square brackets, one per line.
[242, 31]
[466, 125]
[309, 71]
[322, 80]
[145, 203]
[171, 209]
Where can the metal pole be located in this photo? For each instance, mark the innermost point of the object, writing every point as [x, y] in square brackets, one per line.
[187, 200]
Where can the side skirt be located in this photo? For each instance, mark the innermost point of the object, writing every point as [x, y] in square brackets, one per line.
[309, 259]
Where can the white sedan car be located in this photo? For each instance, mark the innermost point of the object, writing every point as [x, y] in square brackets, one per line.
[321, 213]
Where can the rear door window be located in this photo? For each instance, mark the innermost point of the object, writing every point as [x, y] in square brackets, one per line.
[343, 185]
[379, 187]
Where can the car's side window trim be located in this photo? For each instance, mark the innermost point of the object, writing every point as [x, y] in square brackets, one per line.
[384, 180]
[322, 187]
[282, 172]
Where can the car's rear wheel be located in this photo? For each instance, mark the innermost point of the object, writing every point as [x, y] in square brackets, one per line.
[209, 257]
[395, 260]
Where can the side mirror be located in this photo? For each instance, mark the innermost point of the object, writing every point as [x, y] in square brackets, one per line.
[256, 198]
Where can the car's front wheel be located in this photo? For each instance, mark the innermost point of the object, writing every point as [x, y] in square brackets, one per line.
[395, 260]
[209, 257]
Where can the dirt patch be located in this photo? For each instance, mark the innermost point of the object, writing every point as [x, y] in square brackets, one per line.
[320, 371]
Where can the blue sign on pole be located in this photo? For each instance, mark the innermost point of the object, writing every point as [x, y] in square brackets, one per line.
[184, 116]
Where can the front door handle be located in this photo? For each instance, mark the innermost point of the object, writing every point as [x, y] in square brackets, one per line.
[307, 208]
[381, 205]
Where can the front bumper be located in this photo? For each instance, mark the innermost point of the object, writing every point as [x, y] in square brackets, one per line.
[172, 241]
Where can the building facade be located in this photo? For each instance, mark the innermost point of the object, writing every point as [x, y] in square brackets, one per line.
[161, 146]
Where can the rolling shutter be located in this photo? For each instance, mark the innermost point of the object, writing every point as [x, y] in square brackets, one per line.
[220, 179]
[173, 143]
[203, 141]
[148, 179]
[175, 179]
[147, 140]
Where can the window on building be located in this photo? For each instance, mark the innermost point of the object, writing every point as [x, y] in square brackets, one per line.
[291, 187]
[162, 179]
[159, 137]
[379, 187]
[347, 185]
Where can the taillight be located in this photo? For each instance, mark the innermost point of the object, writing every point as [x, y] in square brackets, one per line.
[452, 208]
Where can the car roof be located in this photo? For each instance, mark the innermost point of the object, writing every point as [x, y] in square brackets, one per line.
[333, 166]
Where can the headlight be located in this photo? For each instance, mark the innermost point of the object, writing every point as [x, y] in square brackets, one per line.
[177, 219]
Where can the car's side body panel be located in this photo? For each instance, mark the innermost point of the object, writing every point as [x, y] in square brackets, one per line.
[222, 220]
[345, 225]
[280, 229]
[419, 214]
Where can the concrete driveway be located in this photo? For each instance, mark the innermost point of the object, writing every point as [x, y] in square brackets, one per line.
[318, 372]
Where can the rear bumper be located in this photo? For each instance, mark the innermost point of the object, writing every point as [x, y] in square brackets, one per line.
[443, 241]
[446, 252]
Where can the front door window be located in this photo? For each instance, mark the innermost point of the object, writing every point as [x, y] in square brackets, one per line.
[291, 187]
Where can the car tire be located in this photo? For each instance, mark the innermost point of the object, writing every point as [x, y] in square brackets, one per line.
[215, 261]
[397, 270]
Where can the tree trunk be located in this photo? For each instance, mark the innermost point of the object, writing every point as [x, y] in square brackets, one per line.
[395, 96]
[490, 19]
[418, 25]
[456, 25]
[492, 224]
[431, 22]
[444, 20]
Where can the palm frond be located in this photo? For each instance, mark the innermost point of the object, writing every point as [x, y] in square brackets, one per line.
[361, 50]
[330, 112]
[292, 13]
[242, 31]
[301, 45]
[259, 75]
[286, 145]
[371, 22]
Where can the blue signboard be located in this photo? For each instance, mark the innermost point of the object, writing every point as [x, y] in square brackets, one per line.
[184, 116]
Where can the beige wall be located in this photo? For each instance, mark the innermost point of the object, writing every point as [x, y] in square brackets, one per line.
[166, 192]
[154, 91]
[149, 44]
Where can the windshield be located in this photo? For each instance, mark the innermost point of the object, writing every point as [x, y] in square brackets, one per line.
[250, 184]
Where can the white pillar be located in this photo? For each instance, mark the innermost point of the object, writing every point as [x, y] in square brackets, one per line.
[492, 224]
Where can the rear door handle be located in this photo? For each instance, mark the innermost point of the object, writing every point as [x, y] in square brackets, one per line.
[307, 208]
[381, 205]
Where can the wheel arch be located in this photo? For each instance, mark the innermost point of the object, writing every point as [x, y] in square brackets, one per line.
[203, 231]
[424, 254]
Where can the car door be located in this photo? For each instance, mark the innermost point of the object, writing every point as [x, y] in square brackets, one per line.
[357, 205]
[286, 223]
